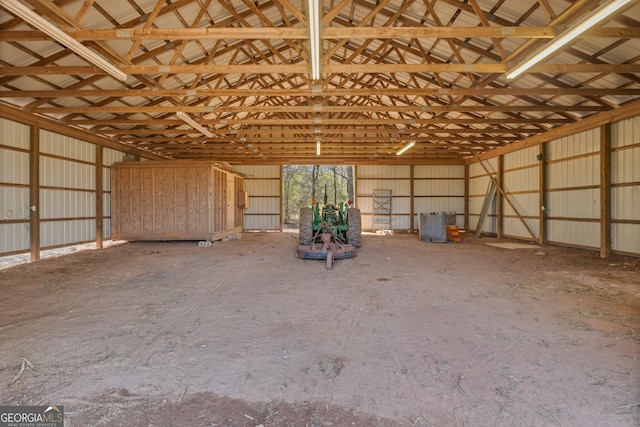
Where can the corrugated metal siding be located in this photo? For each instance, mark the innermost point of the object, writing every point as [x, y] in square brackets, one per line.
[106, 228]
[14, 238]
[14, 134]
[439, 188]
[258, 172]
[521, 183]
[521, 158]
[55, 204]
[67, 232]
[263, 184]
[398, 187]
[56, 172]
[14, 205]
[439, 171]
[394, 178]
[478, 184]
[625, 183]
[381, 172]
[626, 238]
[67, 190]
[574, 145]
[573, 199]
[67, 147]
[14, 187]
[14, 167]
[584, 234]
[106, 179]
[109, 157]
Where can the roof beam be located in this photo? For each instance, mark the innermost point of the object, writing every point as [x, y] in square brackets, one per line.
[328, 33]
[302, 68]
[305, 122]
[310, 109]
[222, 93]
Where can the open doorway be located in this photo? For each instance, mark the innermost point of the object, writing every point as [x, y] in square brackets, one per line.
[303, 183]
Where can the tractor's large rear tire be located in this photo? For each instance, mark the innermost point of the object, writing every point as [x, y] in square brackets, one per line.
[305, 234]
[354, 236]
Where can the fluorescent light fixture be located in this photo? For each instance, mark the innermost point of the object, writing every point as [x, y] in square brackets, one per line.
[314, 38]
[405, 148]
[570, 34]
[318, 147]
[197, 126]
[61, 37]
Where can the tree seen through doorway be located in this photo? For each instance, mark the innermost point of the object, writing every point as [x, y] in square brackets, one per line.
[304, 183]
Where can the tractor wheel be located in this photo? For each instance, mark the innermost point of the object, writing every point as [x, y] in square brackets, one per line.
[354, 236]
[305, 234]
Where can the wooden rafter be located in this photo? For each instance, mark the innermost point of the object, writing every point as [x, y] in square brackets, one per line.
[426, 70]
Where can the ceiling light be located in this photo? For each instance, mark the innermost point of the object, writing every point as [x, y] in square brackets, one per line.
[61, 37]
[570, 34]
[197, 126]
[318, 148]
[314, 38]
[405, 148]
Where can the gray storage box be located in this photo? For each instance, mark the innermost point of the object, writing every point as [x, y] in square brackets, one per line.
[433, 227]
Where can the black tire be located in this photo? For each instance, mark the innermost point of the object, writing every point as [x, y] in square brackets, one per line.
[354, 235]
[305, 234]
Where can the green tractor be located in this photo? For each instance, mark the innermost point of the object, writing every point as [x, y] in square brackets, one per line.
[342, 221]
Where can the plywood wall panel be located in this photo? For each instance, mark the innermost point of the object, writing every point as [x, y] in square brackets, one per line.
[174, 201]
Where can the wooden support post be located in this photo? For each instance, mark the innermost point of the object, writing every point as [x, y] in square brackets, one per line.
[605, 190]
[411, 205]
[34, 192]
[282, 214]
[542, 171]
[500, 198]
[355, 187]
[466, 197]
[99, 199]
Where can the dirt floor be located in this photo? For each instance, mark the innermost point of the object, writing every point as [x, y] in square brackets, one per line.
[244, 334]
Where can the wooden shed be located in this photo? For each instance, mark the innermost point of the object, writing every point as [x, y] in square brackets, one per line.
[176, 200]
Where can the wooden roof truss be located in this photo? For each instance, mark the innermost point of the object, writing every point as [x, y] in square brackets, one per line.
[393, 71]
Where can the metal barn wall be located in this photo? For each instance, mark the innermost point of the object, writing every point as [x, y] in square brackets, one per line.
[67, 205]
[438, 188]
[478, 184]
[109, 157]
[394, 178]
[573, 190]
[625, 186]
[14, 187]
[264, 186]
[521, 184]
[67, 190]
